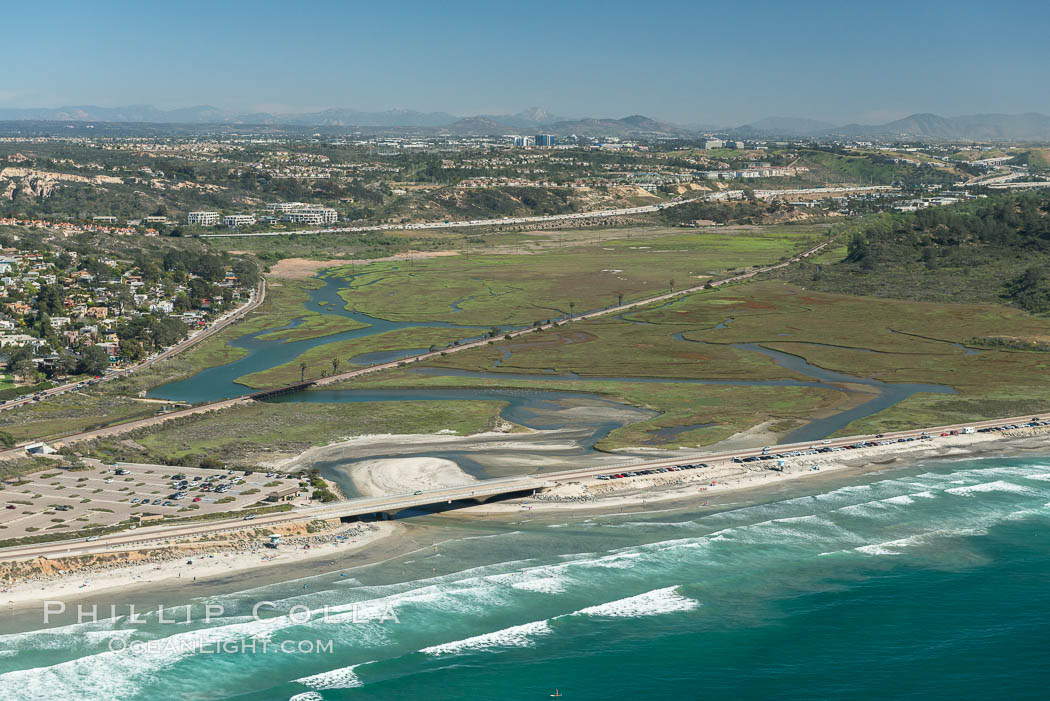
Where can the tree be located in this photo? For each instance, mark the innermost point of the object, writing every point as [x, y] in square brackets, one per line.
[619, 299]
[131, 349]
[572, 308]
[302, 372]
[7, 440]
[247, 272]
[25, 369]
[670, 283]
[66, 363]
[94, 360]
[335, 366]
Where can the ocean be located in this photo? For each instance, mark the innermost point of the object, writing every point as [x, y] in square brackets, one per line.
[929, 582]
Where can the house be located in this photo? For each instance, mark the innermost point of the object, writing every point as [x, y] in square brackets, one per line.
[283, 494]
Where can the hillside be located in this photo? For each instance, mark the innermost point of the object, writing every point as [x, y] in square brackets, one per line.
[992, 250]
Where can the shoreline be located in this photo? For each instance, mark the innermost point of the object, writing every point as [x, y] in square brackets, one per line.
[246, 560]
[190, 562]
[725, 478]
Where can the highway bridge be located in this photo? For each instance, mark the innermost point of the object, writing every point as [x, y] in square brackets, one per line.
[460, 496]
[363, 507]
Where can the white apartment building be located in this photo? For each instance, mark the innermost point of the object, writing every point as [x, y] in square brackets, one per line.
[235, 220]
[285, 206]
[203, 218]
[311, 215]
[155, 219]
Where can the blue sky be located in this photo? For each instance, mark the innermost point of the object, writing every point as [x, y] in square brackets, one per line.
[689, 62]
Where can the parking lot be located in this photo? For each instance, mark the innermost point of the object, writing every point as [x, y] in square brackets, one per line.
[72, 500]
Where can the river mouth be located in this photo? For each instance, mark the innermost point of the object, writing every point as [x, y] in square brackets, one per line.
[537, 409]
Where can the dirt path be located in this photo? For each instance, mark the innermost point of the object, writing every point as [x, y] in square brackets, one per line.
[303, 268]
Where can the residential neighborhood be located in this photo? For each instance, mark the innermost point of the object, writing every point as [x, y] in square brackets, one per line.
[66, 313]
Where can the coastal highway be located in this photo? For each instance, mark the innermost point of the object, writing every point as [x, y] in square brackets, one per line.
[364, 506]
[257, 298]
[479, 491]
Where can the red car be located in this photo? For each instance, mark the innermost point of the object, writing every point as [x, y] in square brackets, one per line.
[196, 498]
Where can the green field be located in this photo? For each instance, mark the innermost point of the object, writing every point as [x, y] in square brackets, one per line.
[70, 413]
[541, 283]
[246, 435]
[890, 340]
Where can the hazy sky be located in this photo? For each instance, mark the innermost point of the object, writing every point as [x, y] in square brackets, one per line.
[687, 61]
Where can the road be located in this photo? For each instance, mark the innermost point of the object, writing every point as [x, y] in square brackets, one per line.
[218, 325]
[596, 214]
[475, 490]
[226, 403]
[466, 223]
[350, 507]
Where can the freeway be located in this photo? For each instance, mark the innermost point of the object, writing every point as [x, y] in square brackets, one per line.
[466, 223]
[257, 298]
[718, 196]
[477, 491]
[1021, 186]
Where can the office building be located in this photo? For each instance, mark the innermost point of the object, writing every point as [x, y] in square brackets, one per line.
[203, 218]
[235, 220]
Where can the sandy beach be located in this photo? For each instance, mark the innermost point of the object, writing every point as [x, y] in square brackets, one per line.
[200, 561]
[376, 478]
[727, 477]
[192, 561]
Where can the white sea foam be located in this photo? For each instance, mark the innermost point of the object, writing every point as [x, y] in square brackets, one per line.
[1039, 477]
[652, 603]
[341, 678]
[114, 675]
[515, 636]
[307, 696]
[902, 500]
[997, 486]
[543, 585]
[891, 547]
[876, 549]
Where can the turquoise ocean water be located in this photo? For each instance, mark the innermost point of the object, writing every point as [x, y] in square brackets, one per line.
[931, 582]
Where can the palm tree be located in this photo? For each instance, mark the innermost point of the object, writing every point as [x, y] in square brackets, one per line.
[572, 307]
[671, 284]
[335, 366]
[302, 372]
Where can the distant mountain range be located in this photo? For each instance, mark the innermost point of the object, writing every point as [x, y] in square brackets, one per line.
[972, 127]
[976, 127]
